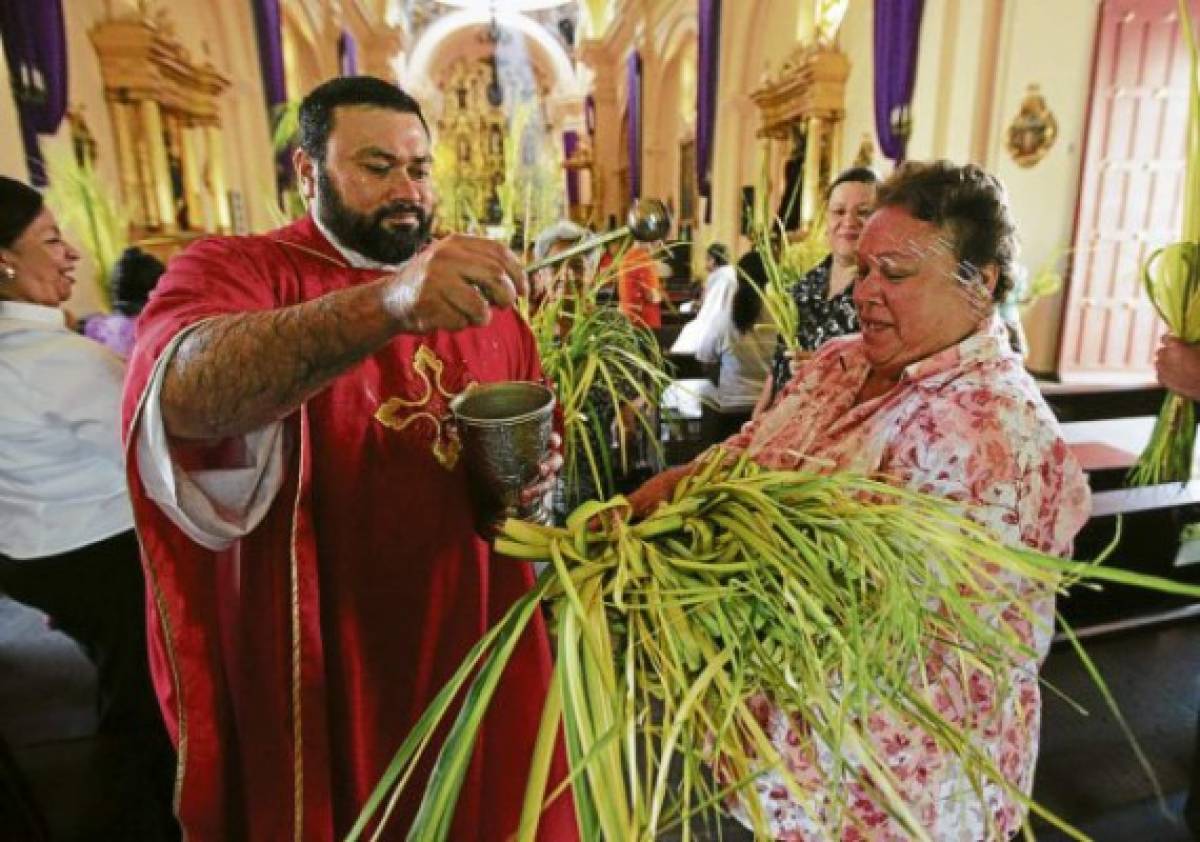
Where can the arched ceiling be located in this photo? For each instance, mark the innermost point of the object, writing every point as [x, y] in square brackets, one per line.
[457, 34]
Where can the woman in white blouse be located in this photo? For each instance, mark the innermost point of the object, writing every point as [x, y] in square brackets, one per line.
[741, 346]
[67, 545]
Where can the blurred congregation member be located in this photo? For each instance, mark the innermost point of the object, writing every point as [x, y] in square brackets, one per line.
[740, 345]
[639, 289]
[67, 545]
[824, 296]
[716, 302]
[562, 279]
[134, 276]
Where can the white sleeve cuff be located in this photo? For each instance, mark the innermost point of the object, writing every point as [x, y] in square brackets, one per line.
[213, 507]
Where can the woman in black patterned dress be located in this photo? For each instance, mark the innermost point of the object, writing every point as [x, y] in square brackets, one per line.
[822, 296]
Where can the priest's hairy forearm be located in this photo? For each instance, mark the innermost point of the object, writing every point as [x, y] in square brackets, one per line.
[235, 374]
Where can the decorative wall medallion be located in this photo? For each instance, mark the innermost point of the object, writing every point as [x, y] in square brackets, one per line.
[1033, 130]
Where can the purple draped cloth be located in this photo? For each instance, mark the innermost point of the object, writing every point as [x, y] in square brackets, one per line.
[707, 72]
[35, 48]
[634, 76]
[347, 54]
[897, 32]
[570, 144]
[268, 26]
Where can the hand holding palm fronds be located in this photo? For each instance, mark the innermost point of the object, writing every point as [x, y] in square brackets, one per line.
[822, 592]
[1172, 280]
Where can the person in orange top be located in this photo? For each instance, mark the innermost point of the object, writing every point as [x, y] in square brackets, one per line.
[639, 290]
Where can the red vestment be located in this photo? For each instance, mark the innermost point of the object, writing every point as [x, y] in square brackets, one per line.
[292, 665]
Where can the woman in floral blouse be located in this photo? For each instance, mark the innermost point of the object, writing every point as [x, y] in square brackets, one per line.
[931, 397]
[824, 305]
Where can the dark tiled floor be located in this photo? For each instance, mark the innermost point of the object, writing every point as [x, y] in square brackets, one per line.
[1086, 773]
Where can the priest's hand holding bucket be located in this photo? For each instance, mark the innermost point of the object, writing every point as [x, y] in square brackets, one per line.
[511, 453]
[453, 283]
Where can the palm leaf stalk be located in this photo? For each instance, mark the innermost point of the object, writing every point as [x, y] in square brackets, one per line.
[834, 595]
[1172, 280]
[776, 293]
[767, 235]
[599, 361]
[784, 261]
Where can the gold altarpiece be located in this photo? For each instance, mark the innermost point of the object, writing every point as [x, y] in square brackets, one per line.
[165, 116]
[471, 146]
[806, 103]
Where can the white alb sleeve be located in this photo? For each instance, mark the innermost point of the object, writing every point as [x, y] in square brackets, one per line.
[214, 507]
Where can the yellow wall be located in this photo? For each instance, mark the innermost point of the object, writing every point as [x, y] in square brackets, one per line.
[1050, 45]
[854, 38]
[670, 117]
[976, 59]
[85, 92]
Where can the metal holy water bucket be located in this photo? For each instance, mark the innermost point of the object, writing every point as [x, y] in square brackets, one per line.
[505, 430]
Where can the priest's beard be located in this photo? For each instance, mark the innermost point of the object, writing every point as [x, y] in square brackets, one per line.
[368, 234]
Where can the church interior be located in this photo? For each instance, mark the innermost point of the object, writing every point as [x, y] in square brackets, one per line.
[157, 125]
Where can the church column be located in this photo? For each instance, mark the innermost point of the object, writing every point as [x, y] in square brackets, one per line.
[189, 161]
[605, 190]
[216, 177]
[811, 193]
[656, 183]
[734, 152]
[122, 117]
[835, 148]
[160, 172]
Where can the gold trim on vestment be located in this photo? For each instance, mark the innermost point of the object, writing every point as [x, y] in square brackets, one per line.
[335, 261]
[164, 617]
[447, 446]
[297, 662]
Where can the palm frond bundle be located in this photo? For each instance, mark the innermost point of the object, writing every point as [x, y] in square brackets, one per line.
[826, 593]
[599, 362]
[1171, 277]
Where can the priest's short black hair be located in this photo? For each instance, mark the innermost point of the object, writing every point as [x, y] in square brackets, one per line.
[317, 109]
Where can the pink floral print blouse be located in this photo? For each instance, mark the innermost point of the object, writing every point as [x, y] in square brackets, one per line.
[967, 424]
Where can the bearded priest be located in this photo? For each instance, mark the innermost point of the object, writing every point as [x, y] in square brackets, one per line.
[315, 568]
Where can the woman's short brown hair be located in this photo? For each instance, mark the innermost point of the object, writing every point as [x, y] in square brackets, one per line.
[970, 204]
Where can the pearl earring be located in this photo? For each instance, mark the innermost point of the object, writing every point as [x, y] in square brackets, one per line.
[10, 273]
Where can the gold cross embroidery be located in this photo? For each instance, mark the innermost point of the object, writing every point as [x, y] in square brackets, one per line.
[434, 406]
